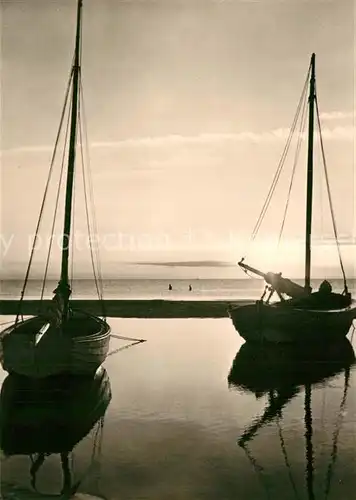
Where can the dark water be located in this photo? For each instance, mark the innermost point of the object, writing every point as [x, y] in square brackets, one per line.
[179, 411]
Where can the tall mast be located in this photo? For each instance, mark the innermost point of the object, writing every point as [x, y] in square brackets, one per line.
[310, 175]
[64, 280]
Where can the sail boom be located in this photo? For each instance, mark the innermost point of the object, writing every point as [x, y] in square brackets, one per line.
[279, 284]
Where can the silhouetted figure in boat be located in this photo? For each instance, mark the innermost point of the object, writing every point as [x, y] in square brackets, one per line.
[170, 287]
[325, 289]
[190, 288]
[324, 298]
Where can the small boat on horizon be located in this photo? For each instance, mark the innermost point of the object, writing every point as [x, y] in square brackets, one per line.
[61, 339]
[301, 314]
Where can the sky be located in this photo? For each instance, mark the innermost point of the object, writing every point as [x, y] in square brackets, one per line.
[188, 106]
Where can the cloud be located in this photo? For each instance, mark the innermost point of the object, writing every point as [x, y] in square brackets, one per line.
[27, 149]
[188, 263]
[346, 133]
[276, 135]
[337, 115]
[339, 133]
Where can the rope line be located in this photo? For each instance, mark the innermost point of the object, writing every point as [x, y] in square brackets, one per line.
[73, 230]
[259, 472]
[329, 196]
[119, 349]
[92, 200]
[299, 143]
[88, 220]
[56, 207]
[281, 162]
[286, 459]
[340, 416]
[44, 197]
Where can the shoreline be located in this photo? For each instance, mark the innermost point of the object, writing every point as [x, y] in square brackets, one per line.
[131, 308]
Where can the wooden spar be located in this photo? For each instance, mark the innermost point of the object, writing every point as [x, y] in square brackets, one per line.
[309, 201]
[252, 270]
[278, 283]
[64, 280]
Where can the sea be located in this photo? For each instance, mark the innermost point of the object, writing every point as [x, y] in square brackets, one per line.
[201, 289]
[194, 415]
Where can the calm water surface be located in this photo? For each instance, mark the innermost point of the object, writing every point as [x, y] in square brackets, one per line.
[202, 289]
[172, 428]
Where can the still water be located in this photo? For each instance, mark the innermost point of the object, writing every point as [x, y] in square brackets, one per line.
[178, 416]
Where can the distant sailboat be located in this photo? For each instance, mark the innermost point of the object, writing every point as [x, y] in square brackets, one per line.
[301, 315]
[62, 339]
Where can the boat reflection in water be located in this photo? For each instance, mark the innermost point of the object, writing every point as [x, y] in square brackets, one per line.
[39, 420]
[281, 372]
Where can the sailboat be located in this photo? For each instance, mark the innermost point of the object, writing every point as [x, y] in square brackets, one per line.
[61, 339]
[39, 421]
[300, 314]
[281, 372]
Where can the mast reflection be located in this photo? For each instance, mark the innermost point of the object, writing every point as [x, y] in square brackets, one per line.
[281, 372]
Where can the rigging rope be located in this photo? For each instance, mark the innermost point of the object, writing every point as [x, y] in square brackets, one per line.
[301, 130]
[95, 456]
[87, 180]
[44, 197]
[98, 289]
[286, 459]
[281, 162]
[321, 203]
[73, 231]
[329, 195]
[56, 208]
[68, 490]
[127, 346]
[336, 432]
[91, 195]
[259, 472]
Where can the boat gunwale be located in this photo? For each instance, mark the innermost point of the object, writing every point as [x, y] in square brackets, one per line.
[280, 306]
[103, 331]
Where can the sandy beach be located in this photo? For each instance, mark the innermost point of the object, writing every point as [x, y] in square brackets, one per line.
[134, 308]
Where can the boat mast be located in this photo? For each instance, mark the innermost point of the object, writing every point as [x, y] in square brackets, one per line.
[310, 175]
[64, 280]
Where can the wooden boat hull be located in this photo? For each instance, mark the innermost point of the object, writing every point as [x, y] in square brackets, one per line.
[278, 323]
[52, 417]
[80, 348]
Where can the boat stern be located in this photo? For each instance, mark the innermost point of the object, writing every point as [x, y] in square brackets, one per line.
[247, 320]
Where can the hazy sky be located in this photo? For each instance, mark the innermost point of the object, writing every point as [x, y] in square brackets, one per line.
[187, 106]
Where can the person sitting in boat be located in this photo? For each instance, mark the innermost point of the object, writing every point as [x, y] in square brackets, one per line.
[324, 296]
[325, 288]
[55, 310]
